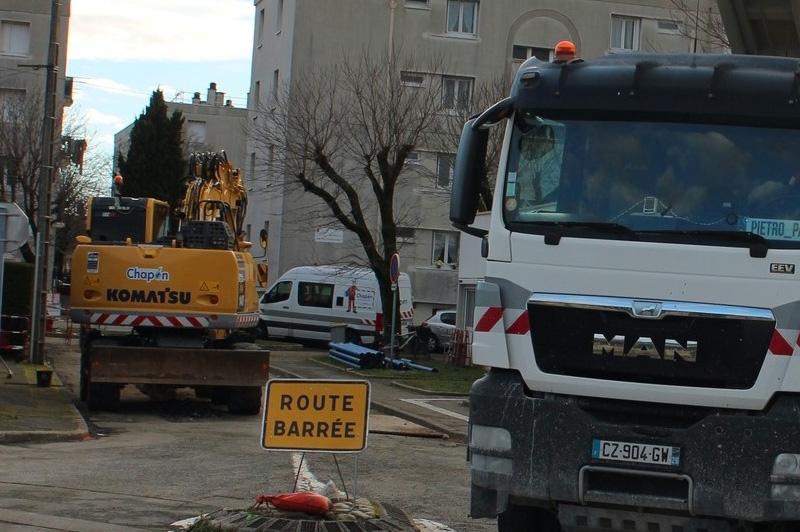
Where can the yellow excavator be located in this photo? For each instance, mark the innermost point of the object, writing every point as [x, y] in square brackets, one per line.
[164, 310]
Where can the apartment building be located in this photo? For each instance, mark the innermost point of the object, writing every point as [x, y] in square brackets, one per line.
[212, 124]
[24, 48]
[479, 41]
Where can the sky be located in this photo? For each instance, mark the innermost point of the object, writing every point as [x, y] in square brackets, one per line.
[120, 51]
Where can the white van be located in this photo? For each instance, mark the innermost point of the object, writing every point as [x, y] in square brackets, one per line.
[308, 300]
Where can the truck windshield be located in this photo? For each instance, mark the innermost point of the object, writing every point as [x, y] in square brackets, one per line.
[653, 178]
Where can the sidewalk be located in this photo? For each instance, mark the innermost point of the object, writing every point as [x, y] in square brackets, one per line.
[31, 413]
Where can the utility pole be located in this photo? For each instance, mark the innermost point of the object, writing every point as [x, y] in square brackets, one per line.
[43, 220]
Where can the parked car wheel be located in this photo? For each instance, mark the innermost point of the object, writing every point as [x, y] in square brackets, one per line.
[433, 343]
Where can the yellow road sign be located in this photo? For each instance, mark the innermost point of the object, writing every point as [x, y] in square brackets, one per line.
[316, 415]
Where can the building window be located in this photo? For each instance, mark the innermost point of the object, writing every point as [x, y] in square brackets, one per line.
[15, 38]
[252, 173]
[260, 29]
[445, 248]
[405, 235]
[624, 33]
[412, 157]
[417, 4]
[196, 133]
[444, 170]
[669, 26]
[276, 81]
[256, 96]
[279, 17]
[412, 79]
[456, 93]
[521, 53]
[462, 17]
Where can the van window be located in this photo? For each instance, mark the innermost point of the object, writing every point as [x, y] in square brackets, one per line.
[315, 295]
[279, 292]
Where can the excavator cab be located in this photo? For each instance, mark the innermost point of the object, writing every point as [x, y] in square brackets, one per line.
[115, 219]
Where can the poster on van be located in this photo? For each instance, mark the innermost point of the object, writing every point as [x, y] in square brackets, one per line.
[359, 298]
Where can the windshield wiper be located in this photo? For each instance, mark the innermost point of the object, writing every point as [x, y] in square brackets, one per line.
[554, 237]
[758, 244]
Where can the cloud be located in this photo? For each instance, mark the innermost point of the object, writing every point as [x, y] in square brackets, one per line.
[99, 118]
[173, 30]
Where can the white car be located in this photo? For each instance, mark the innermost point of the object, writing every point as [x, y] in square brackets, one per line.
[442, 325]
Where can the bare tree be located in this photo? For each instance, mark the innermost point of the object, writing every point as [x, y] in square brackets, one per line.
[701, 23]
[342, 136]
[74, 184]
[21, 160]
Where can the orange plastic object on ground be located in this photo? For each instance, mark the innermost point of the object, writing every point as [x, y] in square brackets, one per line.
[301, 501]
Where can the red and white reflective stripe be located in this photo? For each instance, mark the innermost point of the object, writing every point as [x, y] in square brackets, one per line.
[488, 320]
[406, 314]
[494, 318]
[780, 345]
[133, 320]
[247, 321]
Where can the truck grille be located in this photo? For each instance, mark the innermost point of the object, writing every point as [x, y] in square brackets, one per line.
[661, 342]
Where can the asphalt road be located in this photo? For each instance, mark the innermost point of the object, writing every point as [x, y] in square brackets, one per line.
[154, 464]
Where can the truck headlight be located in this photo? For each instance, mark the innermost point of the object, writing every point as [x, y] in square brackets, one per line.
[786, 467]
[490, 438]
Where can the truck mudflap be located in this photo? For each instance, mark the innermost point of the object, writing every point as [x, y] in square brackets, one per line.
[535, 449]
[178, 366]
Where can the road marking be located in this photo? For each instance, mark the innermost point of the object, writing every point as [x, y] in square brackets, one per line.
[424, 404]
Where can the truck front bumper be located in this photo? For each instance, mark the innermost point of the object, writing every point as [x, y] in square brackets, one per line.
[537, 449]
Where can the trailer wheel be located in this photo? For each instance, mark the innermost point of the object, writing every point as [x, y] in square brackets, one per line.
[518, 518]
[220, 395]
[245, 400]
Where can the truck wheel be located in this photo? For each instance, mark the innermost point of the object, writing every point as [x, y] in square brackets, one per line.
[261, 331]
[86, 338]
[103, 397]
[220, 395]
[245, 400]
[527, 519]
[84, 376]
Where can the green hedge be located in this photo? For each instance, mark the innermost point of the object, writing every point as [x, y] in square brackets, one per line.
[18, 278]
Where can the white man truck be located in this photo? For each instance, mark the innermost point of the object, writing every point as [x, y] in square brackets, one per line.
[640, 310]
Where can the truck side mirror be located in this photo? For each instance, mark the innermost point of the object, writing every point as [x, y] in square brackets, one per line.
[467, 174]
[470, 167]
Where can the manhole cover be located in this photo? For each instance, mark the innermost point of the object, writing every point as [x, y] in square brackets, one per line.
[391, 519]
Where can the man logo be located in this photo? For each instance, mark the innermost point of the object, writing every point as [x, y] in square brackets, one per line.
[634, 347]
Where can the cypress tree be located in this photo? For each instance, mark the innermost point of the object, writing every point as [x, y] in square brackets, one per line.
[154, 166]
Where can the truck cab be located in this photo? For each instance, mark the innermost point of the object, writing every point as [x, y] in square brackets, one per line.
[639, 312]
